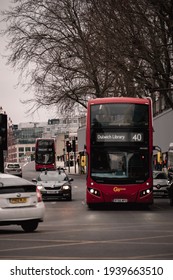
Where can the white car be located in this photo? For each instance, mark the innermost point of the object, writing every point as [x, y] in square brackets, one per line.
[160, 184]
[20, 203]
[13, 168]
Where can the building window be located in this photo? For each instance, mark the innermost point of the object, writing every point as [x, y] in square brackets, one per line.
[21, 154]
[27, 149]
[33, 149]
[21, 149]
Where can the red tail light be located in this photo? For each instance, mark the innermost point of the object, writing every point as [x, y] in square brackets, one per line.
[39, 196]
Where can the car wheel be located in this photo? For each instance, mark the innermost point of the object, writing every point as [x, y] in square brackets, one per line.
[29, 226]
[69, 198]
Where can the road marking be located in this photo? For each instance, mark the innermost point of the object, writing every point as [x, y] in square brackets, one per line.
[84, 242]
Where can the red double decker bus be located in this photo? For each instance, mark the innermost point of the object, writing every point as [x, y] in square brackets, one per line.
[45, 154]
[119, 148]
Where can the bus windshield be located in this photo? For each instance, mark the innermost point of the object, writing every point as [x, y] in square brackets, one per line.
[121, 114]
[110, 165]
[45, 158]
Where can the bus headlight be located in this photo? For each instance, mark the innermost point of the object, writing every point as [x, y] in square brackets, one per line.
[94, 191]
[145, 192]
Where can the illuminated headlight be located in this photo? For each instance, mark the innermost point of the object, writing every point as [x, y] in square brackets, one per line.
[40, 188]
[65, 187]
[94, 191]
[145, 192]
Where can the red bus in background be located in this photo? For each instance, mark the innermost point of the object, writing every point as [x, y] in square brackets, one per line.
[45, 156]
[119, 149]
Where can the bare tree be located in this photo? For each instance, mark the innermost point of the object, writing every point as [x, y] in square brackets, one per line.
[53, 46]
[68, 50]
[140, 44]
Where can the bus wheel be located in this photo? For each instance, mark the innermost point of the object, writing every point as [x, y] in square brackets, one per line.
[90, 206]
[93, 206]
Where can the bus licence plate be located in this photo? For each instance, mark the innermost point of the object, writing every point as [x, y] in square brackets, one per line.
[18, 200]
[120, 200]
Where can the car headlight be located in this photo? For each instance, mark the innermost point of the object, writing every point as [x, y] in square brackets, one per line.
[40, 187]
[66, 187]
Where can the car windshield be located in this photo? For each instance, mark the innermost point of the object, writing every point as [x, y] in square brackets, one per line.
[13, 165]
[52, 176]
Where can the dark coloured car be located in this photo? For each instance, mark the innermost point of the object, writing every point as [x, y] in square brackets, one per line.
[54, 185]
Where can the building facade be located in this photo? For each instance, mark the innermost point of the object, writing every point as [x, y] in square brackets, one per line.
[163, 130]
[21, 138]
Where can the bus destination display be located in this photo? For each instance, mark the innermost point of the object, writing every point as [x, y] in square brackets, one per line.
[120, 137]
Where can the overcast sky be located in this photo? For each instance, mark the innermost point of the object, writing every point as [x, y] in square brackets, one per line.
[10, 94]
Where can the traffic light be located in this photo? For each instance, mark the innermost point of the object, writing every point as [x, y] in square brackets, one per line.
[74, 145]
[3, 131]
[68, 146]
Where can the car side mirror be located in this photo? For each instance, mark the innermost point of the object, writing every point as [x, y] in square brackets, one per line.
[34, 180]
[70, 179]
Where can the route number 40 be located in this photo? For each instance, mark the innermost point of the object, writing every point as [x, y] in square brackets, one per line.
[137, 137]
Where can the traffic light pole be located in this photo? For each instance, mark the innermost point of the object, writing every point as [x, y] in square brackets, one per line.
[75, 162]
[68, 162]
[3, 139]
[74, 150]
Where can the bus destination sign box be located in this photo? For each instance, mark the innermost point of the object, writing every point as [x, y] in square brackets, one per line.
[120, 137]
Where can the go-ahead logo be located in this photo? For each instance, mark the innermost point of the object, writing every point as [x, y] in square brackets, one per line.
[118, 189]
